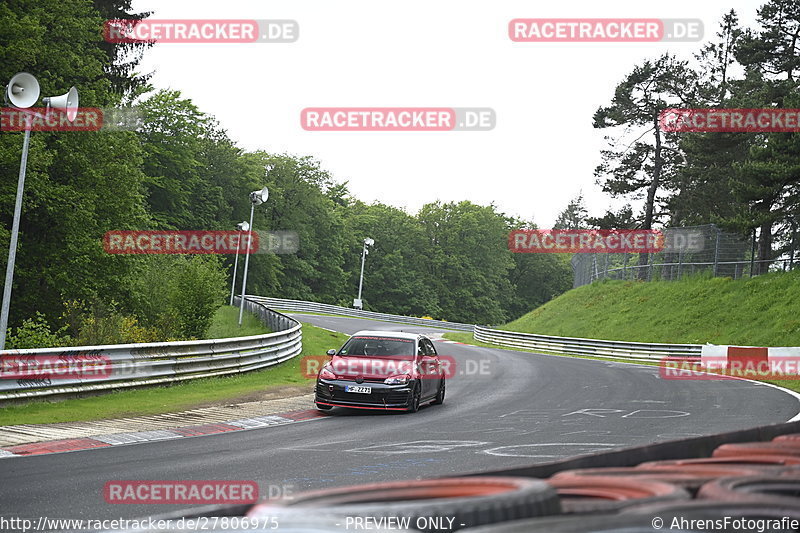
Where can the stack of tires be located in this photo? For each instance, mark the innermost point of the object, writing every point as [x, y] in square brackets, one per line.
[744, 486]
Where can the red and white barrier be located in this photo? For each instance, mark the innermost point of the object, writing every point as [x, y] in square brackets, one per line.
[775, 360]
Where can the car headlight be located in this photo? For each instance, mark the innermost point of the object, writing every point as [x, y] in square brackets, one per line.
[397, 380]
[325, 373]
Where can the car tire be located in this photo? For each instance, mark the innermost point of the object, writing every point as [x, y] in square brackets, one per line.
[416, 398]
[749, 461]
[440, 394]
[791, 437]
[593, 494]
[767, 489]
[471, 501]
[690, 478]
[736, 449]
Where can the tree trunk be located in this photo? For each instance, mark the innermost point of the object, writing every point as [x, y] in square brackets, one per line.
[764, 247]
[649, 207]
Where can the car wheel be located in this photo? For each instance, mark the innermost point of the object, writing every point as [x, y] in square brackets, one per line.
[416, 395]
[440, 395]
[324, 407]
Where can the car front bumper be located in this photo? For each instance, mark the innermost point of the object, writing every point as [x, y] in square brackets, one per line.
[383, 396]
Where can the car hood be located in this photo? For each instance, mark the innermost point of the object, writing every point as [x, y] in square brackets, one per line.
[370, 367]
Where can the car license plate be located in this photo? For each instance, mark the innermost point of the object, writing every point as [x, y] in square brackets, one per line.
[356, 388]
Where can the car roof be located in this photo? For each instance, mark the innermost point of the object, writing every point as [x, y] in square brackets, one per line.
[388, 334]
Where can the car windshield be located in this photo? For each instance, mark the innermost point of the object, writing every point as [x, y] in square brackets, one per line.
[378, 346]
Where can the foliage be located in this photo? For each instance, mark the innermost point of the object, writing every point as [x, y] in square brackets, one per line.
[740, 181]
[35, 332]
[178, 295]
[574, 215]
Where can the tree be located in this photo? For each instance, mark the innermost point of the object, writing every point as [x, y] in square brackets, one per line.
[574, 215]
[123, 58]
[767, 182]
[705, 181]
[642, 166]
[623, 218]
[79, 185]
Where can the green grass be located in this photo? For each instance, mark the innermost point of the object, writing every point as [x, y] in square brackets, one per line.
[226, 324]
[791, 384]
[762, 311]
[155, 400]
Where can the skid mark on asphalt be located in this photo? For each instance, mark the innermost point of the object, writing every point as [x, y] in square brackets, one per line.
[419, 446]
[374, 471]
[530, 450]
[638, 413]
[379, 468]
[323, 446]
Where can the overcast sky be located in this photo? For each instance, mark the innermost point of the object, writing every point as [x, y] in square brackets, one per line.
[431, 53]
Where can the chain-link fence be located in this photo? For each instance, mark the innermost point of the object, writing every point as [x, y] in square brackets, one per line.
[689, 250]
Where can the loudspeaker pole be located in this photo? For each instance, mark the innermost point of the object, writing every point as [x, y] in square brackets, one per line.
[21, 93]
[256, 198]
[12, 247]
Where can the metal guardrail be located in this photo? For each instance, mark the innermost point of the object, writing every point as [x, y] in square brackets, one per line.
[301, 306]
[634, 351]
[130, 365]
[639, 351]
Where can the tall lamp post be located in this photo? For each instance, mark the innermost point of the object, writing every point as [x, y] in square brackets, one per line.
[256, 198]
[241, 226]
[22, 92]
[364, 251]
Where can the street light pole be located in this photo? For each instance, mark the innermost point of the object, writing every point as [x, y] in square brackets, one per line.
[256, 198]
[364, 252]
[241, 226]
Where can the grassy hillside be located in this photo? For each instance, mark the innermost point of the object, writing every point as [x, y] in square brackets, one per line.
[762, 311]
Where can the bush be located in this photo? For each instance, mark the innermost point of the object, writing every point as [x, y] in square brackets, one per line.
[178, 295]
[101, 323]
[35, 332]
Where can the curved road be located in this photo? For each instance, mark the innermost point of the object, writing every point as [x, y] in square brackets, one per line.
[503, 409]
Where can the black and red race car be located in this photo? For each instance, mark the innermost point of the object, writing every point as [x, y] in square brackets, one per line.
[382, 370]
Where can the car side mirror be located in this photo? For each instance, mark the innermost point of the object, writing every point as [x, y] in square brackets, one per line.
[331, 352]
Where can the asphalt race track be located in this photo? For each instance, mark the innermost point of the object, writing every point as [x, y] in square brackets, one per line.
[503, 409]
